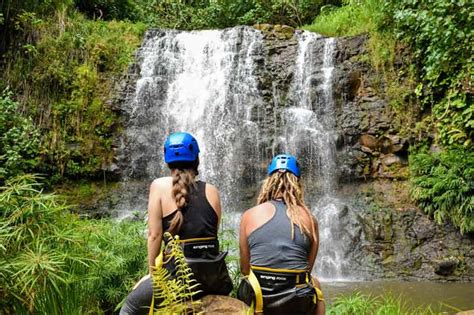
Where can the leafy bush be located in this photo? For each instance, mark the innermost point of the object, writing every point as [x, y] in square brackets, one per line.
[19, 139]
[226, 13]
[440, 34]
[443, 185]
[52, 262]
[63, 78]
[132, 10]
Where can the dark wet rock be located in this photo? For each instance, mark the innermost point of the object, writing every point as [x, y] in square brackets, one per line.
[409, 244]
[423, 228]
[447, 266]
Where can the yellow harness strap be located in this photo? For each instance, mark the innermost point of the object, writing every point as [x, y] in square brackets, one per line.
[257, 290]
[319, 293]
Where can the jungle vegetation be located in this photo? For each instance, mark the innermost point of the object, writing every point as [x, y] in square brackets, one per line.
[61, 61]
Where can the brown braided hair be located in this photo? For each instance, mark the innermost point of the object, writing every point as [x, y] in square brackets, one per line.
[287, 186]
[183, 179]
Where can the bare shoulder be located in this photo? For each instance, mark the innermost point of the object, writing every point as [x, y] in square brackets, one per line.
[211, 189]
[162, 182]
[308, 218]
[257, 210]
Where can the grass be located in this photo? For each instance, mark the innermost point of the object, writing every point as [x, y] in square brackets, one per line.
[354, 18]
[359, 303]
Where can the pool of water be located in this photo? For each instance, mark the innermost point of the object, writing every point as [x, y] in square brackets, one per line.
[448, 298]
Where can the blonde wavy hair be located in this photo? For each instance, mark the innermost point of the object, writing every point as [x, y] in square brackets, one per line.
[287, 186]
[183, 180]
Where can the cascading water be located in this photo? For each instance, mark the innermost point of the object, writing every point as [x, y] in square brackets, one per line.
[206, 83]
[308, 132]
[203, 83]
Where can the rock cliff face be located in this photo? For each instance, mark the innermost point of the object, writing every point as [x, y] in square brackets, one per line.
[391, 238]
[368, 140]
[397, 240]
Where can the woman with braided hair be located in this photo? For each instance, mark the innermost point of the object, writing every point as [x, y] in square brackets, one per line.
[187, 207]
[279, 241]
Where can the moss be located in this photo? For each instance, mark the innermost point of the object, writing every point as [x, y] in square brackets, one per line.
[64, 83]
[85, 194]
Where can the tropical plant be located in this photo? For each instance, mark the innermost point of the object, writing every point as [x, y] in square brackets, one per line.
[440, 35]
[173, 293]
[228, 240]
[61, 77]
[19, 139]
[53, 262]
[443, 185]
[40, 247]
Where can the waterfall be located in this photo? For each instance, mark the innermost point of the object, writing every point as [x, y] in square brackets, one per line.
[308, 132]
[207, 83]
[201, 82]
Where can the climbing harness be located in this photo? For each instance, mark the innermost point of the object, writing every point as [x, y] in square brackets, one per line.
[206, 262]
[279, 291]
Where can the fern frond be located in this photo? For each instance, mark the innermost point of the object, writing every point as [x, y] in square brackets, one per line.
[175, 294]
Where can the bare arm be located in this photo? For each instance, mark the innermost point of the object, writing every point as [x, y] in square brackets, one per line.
[244, 246]
[212, 195]
[314, 245]
[155, 227]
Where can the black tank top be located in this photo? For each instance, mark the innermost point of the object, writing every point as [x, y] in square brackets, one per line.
[199, 218]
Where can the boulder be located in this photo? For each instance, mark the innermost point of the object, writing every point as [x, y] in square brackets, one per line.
[220, 304]
[368, 141]
[390, 159]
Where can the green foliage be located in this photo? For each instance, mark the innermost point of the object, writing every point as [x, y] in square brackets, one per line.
[353, 18]
[52, 262]
[120, 251]
[175, 294]
[441, 36]
[443, 185]
[63, 78]
[40, 246]
[132, 10]
[229, 241]
[359, 303]
[19, 139]
[225, 13]
[361, 17]
[455, 118]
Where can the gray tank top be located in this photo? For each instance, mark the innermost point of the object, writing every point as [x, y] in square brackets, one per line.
[271, 244]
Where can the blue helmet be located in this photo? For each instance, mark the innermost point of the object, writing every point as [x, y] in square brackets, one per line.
[285, 162]
[181, 147]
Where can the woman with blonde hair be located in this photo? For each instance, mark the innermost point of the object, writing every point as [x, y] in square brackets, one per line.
[187, 207]
[279, 242]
